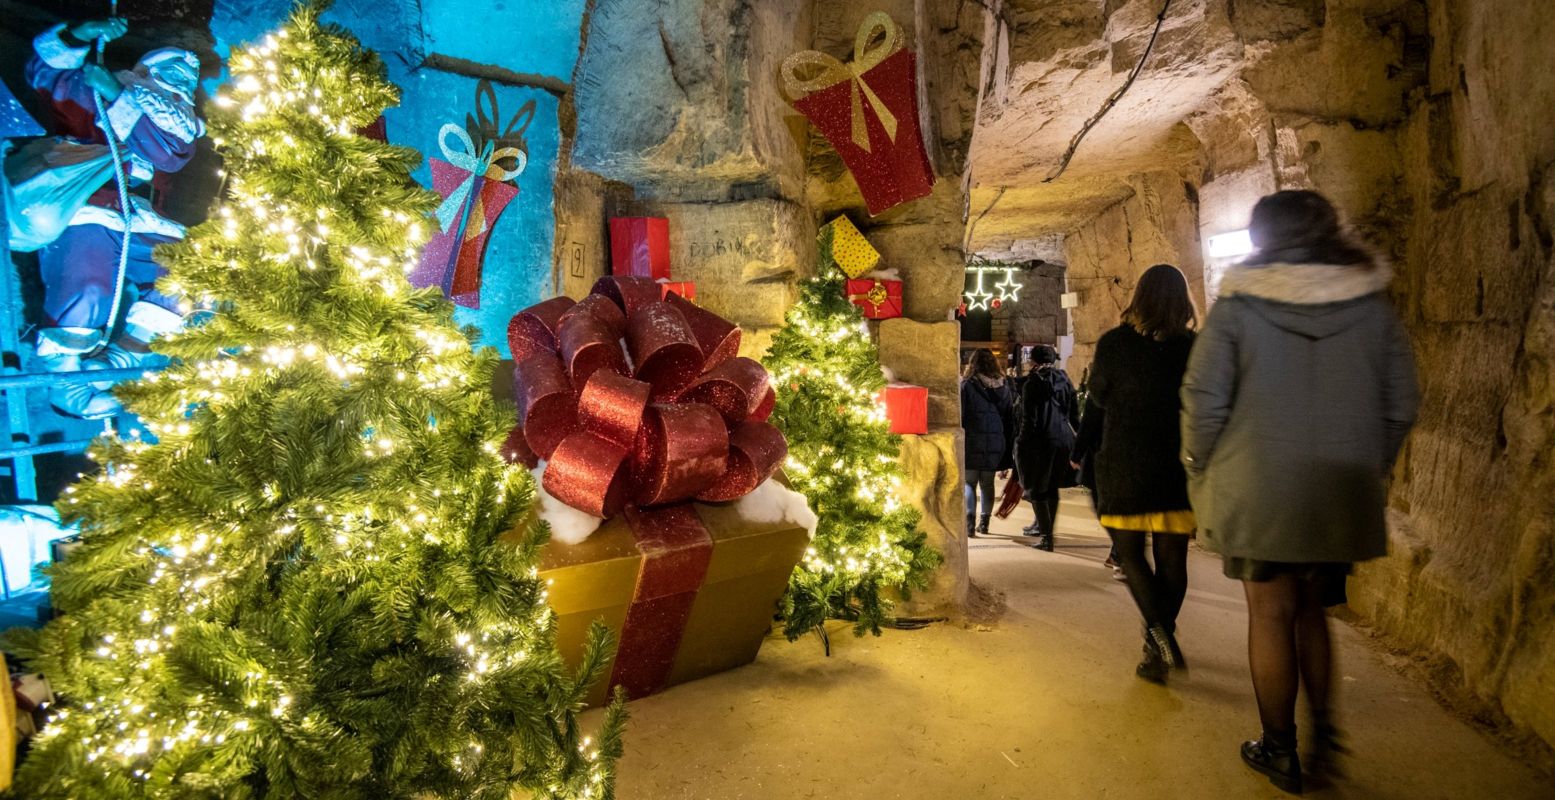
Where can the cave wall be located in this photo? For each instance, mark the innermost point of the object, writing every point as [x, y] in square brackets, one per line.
[1468, 581]
[676, 112]
[1426, 121]
[1156, 224]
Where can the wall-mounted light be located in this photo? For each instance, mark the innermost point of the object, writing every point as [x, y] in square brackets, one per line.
[1233, 244]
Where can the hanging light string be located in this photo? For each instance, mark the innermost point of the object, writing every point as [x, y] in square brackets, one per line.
[1112, 100]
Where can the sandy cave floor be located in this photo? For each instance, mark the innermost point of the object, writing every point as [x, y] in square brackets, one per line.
[1041, 703]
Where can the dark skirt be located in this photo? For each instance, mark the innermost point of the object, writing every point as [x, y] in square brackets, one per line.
[1329, 575]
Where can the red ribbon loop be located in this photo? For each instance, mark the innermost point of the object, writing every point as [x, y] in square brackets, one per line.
[533, 330]
[547, 408]
[632, 399]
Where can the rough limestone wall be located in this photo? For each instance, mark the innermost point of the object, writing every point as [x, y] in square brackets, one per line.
[1474, 498]
[922, 240]
[1156, 224]
[676, 113]
[1427, 122]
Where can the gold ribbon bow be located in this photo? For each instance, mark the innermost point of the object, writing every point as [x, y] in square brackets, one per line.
[833, 72]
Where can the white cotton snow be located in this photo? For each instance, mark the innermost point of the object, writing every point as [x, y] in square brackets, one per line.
[886, 274]
[774, 502]
[568, 525]
[890, 374]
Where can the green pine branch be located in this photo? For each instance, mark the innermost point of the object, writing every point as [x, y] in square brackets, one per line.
[320, 579]
[868, 547]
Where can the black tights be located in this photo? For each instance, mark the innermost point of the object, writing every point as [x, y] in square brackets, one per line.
[1158, 592]
[1287, 638]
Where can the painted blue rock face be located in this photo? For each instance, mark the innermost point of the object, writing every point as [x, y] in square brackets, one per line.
[527, 36]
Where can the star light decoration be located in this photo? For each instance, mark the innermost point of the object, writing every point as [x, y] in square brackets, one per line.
[978, 297]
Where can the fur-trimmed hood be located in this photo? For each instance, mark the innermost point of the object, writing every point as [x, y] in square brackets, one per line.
[1306, 284]
[1311, 300]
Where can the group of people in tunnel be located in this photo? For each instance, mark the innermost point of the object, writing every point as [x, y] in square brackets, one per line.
[1269, 432]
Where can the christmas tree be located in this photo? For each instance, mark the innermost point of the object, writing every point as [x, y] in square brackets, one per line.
[307, 586]
[843, 457]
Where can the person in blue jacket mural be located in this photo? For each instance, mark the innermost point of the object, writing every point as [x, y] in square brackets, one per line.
[151, 112]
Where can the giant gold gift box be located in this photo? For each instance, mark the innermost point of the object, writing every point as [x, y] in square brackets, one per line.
[697, 608]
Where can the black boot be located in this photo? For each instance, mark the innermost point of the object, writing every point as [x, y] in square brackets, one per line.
[1166, 645]
[1045, 541]
[971, 529]
[982, 524]
[1274, 755]
[1153, 668]
[1327, 746]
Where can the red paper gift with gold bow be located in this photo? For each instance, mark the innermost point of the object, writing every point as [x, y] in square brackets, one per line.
[640, 406]
[879, 299]
[868, 110]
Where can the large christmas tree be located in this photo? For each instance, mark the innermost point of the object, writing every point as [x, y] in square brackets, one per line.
[303, 589]
[844, 458]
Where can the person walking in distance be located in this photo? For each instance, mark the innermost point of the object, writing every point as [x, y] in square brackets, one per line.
[988, 417]
[1141, 486]
[1049, 414]
[1297, 401]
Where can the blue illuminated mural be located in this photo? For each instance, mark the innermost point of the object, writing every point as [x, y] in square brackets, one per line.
[530, 37]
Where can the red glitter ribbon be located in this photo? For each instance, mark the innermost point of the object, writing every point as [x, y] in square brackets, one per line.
[634, 398]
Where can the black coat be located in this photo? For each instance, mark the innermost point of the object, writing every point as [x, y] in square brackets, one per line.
[988, 417]
[1135, 382]
[1041, 462]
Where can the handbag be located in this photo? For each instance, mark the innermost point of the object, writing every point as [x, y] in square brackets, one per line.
[47, 182]
[1013, 494]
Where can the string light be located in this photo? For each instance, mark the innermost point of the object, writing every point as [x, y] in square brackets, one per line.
[246, 489]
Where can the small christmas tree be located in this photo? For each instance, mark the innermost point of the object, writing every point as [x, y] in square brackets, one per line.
[302, 589]
[843, 457]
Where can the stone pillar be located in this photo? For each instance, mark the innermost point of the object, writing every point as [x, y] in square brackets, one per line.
[923, 241]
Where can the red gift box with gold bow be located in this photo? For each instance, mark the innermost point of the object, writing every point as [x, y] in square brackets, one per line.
[879, 299]
[868, 110]
[645, 415]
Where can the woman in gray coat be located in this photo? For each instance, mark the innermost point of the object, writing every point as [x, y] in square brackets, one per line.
[1298, 396]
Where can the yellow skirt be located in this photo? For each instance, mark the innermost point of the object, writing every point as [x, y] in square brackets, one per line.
[1158, 522]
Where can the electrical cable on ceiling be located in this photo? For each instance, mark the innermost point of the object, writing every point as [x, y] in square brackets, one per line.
[1112, 100]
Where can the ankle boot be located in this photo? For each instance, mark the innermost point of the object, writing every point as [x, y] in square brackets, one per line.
[982, 524]
[1274, 755]
[1323, 762]
[1152, 668]
[971, 527]
[1166, 644]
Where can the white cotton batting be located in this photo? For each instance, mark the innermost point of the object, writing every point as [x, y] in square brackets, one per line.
[885, 274]
[568, 525]
[773, 502]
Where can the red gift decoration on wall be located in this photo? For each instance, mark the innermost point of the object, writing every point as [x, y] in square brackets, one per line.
[879, 299]
[674, 417]
[686, 289]
[907, 407]
[640, 247]
[868, 110]
[474, 194]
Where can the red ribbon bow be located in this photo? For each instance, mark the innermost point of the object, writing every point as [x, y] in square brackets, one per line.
[637, 400]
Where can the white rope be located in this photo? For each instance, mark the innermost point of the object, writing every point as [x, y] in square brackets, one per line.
[125, 209]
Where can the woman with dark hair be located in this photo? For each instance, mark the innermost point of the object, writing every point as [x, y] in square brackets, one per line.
[1142, 490]
[1297, 401]
[988, 417]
